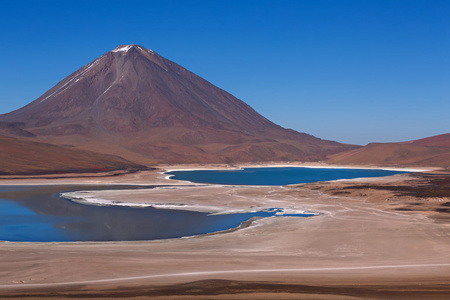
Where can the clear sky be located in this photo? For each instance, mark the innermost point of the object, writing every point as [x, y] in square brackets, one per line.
[353, 71]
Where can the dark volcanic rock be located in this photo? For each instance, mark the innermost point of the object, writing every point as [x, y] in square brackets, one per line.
[137, 104]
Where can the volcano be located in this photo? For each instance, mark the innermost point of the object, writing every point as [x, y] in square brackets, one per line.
[134, 103]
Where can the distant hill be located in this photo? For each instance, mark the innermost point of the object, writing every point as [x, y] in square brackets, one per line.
[432, 151]
[442, 140]
[21, 157]
[136, 104]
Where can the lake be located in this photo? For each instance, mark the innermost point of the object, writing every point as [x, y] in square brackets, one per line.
[39, 214]
[276, 175]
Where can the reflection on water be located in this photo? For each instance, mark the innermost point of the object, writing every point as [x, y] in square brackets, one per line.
[17, 222]
[38, 214]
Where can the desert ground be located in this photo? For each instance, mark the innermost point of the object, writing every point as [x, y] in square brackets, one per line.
[378, 238]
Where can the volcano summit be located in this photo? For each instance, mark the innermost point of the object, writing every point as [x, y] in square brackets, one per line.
[134, 103]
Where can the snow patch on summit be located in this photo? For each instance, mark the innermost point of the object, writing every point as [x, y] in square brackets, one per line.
[146, 50]
[126, 48]
[123, 48]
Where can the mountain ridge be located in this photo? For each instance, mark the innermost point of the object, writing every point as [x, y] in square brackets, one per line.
[134, 103]
[427, 152]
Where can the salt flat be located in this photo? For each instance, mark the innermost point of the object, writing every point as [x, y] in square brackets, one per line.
[360, 245]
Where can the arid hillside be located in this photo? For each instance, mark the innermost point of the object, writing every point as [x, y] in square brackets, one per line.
[442, 140]
[21, 157]
[432, 151]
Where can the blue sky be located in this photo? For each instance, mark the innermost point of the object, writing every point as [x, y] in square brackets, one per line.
[351, 71]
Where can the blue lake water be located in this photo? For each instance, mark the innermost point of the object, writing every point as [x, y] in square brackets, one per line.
[38, 214]
[18, 223]
[276, 175]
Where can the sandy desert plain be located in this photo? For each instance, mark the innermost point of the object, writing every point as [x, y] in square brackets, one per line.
[376, 238]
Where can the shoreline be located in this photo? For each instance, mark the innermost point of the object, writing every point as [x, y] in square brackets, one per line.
[78, 197]
[364, 225]
[141, 178]
[91, 198]
[294, 165]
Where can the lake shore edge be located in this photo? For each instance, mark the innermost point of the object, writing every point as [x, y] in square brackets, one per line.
[359, 228]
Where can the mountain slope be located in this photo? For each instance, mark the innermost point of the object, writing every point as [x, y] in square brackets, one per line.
[134, 103]
[21, 157]
[430, 151]
[442, 140]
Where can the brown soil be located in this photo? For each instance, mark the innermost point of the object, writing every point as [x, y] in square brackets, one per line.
[378, 238]
[425, 193]
[23, 157]
[396, 154]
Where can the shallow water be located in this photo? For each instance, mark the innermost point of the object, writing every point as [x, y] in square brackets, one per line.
[276, 175]
[38, 214]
